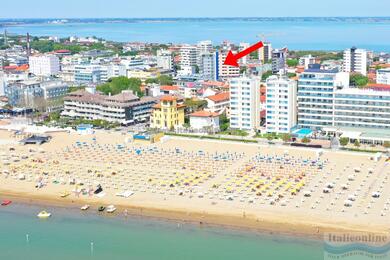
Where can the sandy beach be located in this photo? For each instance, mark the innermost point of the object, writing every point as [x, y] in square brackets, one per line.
[276, 189]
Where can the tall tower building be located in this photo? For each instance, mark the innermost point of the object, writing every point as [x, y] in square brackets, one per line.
[245, 104]
[355, 60]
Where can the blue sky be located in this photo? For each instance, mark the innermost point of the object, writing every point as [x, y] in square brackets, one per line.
[191, 8]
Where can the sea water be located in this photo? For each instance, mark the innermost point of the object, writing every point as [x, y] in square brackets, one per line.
[296, 34]
[72, 234]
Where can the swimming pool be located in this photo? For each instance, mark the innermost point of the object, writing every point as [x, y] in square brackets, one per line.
[303, 132]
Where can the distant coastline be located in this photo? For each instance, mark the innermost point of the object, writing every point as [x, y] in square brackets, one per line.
[24, 21]
[297, 33]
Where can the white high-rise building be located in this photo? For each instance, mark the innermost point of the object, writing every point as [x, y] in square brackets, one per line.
[241, 47]
[225, 71]
[164, 59]
[316, 88]
[355, 60]
[205, 47]
[383, 76]
[245, 104]
[281, 104]
[208, 66]
[265, 53]
[44, 65]
[188, 55]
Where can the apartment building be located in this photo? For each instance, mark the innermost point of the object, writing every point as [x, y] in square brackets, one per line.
[355, 60]
[224, 71]
[124, 108]
[44, 65]
[279, 58]
[218, 103]
[307, 60]
[245, 103]
[208, 67]
[281, 104]
[188, 55]
[383, 76]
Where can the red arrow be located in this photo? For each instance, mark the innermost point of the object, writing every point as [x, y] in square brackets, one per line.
[231, 59]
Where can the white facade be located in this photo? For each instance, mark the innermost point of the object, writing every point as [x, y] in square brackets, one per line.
[362, 108]
[355, 60]
[188, 55]
[242, 46]
[383, 76]
[44, 65]
[204, 120]
[225, 71]
[164, 60]
[316, 90]
[218, 103]
[306, 61]
[208, 66]
[281, 105]
[245, 103]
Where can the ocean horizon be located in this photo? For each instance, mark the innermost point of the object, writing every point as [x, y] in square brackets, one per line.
[296, 33]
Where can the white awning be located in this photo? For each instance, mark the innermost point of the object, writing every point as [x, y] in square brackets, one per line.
[351, 134]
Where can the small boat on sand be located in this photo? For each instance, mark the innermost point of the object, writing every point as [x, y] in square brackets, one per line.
[111, 209]
[64, 194]
[6, 202]
[85, 207]
[43, 214]
[101, 208]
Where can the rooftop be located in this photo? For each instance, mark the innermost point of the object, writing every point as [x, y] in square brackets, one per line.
[223, 96]
[204, 114]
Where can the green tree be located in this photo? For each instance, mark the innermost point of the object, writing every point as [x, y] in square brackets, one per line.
[357, 79]
[292, 62]
[286, 137]
[118, 84]
[386, 144]
[266, 75]
[224, 122]
[306, 140]
[165, 80]
[356, 143]
[344, 141]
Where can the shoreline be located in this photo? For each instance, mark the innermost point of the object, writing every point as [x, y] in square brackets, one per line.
[267, 225]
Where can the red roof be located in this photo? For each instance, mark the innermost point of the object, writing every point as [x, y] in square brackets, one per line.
[380, 87]
[223, 96]
[168, 98]
[213, 83]
[204, 114]
[62, 51]
[169, 88]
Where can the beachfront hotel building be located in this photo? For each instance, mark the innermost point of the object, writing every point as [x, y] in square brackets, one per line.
[281, 104]
[245, 104]
[316, 88]
[124, 108]
[168, 114]
[326, 102]
[44, 65]
[355, 60]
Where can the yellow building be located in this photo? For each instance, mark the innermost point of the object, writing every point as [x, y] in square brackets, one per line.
[168, 114]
